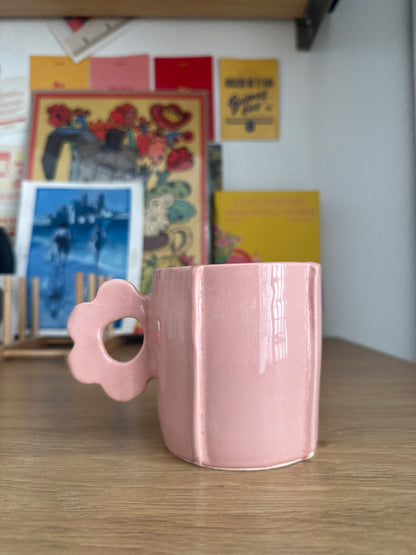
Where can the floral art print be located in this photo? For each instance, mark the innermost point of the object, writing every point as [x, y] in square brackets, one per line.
[158, 138]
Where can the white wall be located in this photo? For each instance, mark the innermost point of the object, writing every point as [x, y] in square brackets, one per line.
[346, 129]
[362, 113]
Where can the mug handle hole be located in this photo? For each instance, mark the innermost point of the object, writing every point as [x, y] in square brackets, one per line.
[123, 348]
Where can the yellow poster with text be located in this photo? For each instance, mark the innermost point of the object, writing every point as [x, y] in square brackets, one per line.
[249, 99]
[54, 73]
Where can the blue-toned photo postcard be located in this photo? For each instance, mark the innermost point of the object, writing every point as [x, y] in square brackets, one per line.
[65, 228]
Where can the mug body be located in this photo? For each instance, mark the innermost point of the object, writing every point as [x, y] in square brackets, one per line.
[238, 350]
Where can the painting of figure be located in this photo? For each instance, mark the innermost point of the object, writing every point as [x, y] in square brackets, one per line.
[160, 138]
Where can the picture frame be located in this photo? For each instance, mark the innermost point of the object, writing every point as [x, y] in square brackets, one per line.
[65, 228]
[159, 137]
[81, 37]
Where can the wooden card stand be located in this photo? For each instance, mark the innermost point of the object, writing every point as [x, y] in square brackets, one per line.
[29, 344]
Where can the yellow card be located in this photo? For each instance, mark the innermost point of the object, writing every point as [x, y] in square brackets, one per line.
[249, 99]
[266, 226]
[58, 73]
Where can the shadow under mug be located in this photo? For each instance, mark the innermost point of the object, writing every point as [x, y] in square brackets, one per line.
[236, 352]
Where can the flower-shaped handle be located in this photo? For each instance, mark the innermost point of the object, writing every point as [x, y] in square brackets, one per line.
[89, 361]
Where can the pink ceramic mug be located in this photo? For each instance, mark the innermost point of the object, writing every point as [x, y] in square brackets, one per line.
[236, 352]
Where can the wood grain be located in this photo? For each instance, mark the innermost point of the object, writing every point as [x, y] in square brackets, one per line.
[35, 306]
[268, 9]
[7, 310]
[22, 307]
[80, 473]
[79, 287]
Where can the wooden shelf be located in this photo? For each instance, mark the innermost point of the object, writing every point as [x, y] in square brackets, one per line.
[274, 9]
[307, 13]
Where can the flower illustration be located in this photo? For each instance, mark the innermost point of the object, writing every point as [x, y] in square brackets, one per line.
[81, 117]
[239, 256]
[170, 116]
[81, 112]
[224, 244]
[188, 136]
[156, 217]
[153, 144]
[59, 115]
[125, 116]
[186, 260]
[179, 160]
[100, 128]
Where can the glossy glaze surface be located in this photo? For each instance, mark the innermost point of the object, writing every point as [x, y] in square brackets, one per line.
[236, 351]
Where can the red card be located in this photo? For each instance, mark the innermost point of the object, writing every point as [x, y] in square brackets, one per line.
[182, 74]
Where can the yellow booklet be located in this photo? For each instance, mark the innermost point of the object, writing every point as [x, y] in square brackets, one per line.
[249, 99]
[275, 226]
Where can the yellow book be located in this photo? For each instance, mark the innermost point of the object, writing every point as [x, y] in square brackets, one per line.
[275, 226]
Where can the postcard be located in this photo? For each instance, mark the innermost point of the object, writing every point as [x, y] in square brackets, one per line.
[11, 173]
[249, 99]
[124, 73]
[159, 137]
[187, 74]
[14, 105]
[58, 73]
[65, 228]
[82, 36]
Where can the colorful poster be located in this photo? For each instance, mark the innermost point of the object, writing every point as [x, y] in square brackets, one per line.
[157, 137]
[127, 73]
[14, 105]
[58, 73]
[249, 99]
[187, 74]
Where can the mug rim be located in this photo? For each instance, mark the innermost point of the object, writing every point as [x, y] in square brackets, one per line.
[241, 265]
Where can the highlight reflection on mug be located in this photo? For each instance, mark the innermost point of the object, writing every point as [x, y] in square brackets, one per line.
[273, 329]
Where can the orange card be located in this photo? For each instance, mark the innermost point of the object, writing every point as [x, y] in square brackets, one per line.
[58, 73]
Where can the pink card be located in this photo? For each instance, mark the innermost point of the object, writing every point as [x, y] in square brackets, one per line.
[127, 73]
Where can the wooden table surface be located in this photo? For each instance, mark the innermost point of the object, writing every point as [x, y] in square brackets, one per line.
[80, 473]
